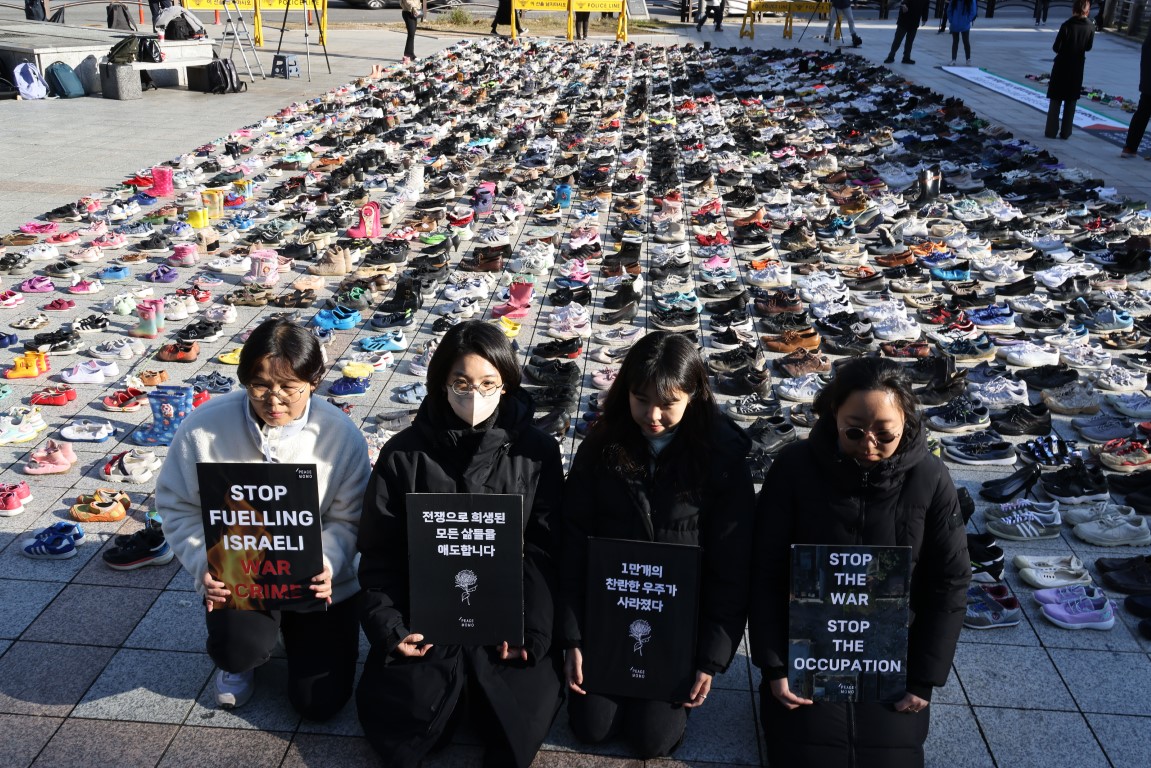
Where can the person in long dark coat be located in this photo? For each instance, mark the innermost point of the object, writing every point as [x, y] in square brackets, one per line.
[661, 464]
[472, 434]
[1143, 111]
[863, 477]
[912, 15]
[1072, 42]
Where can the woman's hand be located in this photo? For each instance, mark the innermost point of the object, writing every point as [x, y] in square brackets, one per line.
[573, 670]
[910, 703]
[512, 652]
[322, 585]
[784, 695]
[699, 691]
[410, 646]
[214, 592]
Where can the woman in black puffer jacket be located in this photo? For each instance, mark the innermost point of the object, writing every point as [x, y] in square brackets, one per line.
[662, 464]
[472, 434]
[863, 477]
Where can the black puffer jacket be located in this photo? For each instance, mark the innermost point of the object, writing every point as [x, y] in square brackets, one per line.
[404, 703]
[602, 500]
[815, 495]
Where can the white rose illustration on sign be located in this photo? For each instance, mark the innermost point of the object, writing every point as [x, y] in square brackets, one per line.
[640, 631]
[466, 582]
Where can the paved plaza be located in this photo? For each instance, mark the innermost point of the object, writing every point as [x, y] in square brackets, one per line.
[99, 667]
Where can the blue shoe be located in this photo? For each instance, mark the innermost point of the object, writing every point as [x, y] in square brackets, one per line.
[113, 273]
[392, 341]
[56, 542]
[350, 387]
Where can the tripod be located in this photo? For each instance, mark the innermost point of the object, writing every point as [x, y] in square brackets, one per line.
[810, 19]
[231, 27]
[307, 35]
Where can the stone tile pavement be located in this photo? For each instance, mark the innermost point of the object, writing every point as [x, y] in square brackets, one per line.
[101, 667]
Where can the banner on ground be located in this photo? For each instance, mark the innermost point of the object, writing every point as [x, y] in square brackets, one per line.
[642, 610]
[847, 631]
[262, 533]
[465, 567]
[1084, 118]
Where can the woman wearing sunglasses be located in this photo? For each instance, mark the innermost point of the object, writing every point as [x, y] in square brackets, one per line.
[274, 418]
[863, 477]
[473, 433]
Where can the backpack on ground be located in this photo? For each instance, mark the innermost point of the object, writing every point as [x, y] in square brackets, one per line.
[149, 50]
[126, 51]
[223, 77]
[179, 29]
[63, 81]
[29, 82]
[119, 18]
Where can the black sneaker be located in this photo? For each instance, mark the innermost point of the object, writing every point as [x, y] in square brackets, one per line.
[145, 547]
[785, 321]
[1077, 484]
[569, 348]
[1048, 376]
[1024, 420]
[733, 360]
[561, 297]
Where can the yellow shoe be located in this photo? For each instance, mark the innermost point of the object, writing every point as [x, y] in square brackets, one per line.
[510, 328]
[21, 370]
[356, 370]
[230, 358]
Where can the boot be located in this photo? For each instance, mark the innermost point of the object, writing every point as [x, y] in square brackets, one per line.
[519, 301]
[334, 262]
[161, 317]
[856, 41]
[265, 269]
[38, 360]
[21, 369]
[369, 226]
[146, 329]
[929, 180]
[484, 198]
[170, 406]
[563, 195]
[162, 185]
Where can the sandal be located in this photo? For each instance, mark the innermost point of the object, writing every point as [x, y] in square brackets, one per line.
[31, 323]
[136, 466]
[105, 495]
[295, 299]
[201, 330]
[124, 401]
[247, 297]
[231, 358]
[154, 378]
[163, 274]
[214, 382]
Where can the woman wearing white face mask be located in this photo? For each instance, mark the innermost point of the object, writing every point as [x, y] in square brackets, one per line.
[472, 434]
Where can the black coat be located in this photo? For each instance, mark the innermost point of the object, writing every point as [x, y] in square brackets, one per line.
[404, 704]
[603, 500]
[1073, 41]
[914, 16]
[1145, 65]
[815, 495]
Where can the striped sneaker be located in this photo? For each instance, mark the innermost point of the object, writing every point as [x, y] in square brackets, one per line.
[1026, 525]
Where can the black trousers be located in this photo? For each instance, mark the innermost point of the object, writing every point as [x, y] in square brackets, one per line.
[901, 33]
[651, 728]
[410, 24]
[966, 44]
[322, 648]
[1054, 126]
[715, 13]
[1041, 7]
[582, 19]
[1138, 123]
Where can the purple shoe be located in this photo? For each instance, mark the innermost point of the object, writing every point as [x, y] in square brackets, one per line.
[38, 284]
[163, 274]
[1085, 613]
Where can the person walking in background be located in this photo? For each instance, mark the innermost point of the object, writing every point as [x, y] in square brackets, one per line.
[412, 11]
[1143, 111]
[1074, 40]
[961, 15]
[912, 15]
[713, 9]
[1041, 7]
[842, 10]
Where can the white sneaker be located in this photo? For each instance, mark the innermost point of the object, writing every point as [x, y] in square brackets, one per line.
[234, 690]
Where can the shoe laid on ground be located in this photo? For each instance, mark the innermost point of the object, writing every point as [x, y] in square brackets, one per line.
[1115, 531]
[234, 689]
[1058, 577]
[1067, 594]
[1085, 613]
[988, 612]
[1027, 525]
[145, 547]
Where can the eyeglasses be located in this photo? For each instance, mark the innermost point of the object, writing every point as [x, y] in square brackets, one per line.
[289, 396]
[461, 387]
[855, 434]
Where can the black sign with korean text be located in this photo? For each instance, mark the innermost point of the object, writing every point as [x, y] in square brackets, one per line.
[465, 565]
[848, 622]
[641, 618]
[262, 533]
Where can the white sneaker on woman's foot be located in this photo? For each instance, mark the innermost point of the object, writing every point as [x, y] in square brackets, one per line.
[234, 690]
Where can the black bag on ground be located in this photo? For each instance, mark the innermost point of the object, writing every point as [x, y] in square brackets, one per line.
[223, 77]
[150, 50]
[63, 81]
[179, 29]
[126, 51]
[119, 18]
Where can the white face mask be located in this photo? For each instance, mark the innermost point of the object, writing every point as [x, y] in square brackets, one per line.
[473, 407]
